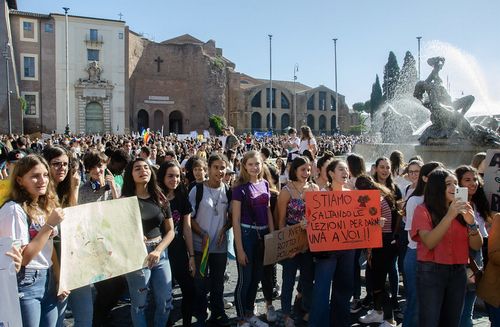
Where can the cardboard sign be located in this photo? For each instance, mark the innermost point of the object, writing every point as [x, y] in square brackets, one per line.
[101, 240]
[343, 220]
[282, 243]
[492, 179]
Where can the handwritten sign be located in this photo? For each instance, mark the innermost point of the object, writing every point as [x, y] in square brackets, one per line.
[101, 240]
[343, 220]
[282, 243]
[492, 179]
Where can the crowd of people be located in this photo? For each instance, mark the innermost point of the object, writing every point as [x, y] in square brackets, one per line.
[196, 195]
[338, 144]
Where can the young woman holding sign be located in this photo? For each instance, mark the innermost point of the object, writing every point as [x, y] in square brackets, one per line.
[100, 186]
[252, 220]
[291, 211]
[381, 260]
[139, 180]
[31, 217]
[336, 266]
